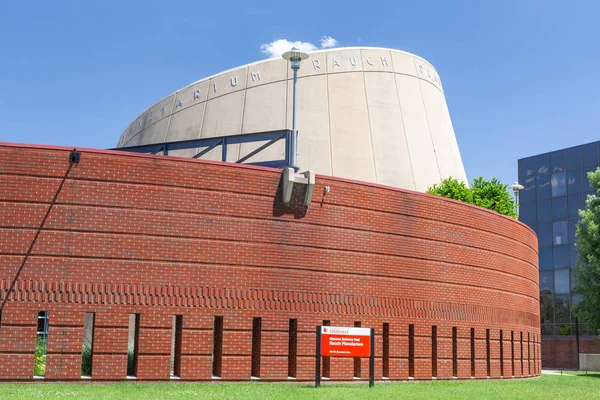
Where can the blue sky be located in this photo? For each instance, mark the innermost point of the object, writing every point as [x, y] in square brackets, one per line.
[520, 77]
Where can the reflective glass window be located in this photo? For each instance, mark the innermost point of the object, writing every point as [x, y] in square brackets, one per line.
[559, 207]
[590, 154]
[534, 228]
[546, 305]
[528, 213]
[528, 192]
[562, 307]
[574, 204]
[573, 281]
[559, 232]
[544, 213]
[547, 282]
[557, 161]
[544, 233]
[527, 168]
[573, 158]
[572, 255]
[543, 189]
[542, 164]
[586, 183]
[574, 181]
[545, 254]
[559, 184]
[572, 226]
[548, 329]
[561, 257]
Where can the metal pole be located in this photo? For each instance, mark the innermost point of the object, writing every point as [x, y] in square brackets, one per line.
[294, 135]
[516, 192]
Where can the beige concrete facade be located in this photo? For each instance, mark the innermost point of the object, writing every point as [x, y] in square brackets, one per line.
[370, 114]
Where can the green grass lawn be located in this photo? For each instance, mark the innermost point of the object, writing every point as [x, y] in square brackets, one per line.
[546, 387]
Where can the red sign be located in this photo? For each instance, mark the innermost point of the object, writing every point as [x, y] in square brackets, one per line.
[345, 342]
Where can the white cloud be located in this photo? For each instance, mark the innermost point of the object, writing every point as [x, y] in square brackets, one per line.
[327, 42]
[280, 46]
[277, 47]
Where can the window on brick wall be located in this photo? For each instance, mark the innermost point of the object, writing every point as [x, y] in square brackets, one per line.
[434, 351]
[454, 351]
[176, 337]
[87, 352]
[217, 347]
[41, 343]
[411, 351]
[133, 344]
[256, 339]
[357, 371]
[292, 347]
[386, 350]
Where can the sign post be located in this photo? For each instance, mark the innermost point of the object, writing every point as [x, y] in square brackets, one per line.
[336, 341]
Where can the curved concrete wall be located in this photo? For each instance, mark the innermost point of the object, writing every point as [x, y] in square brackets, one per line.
[370, 114]
[163, 236]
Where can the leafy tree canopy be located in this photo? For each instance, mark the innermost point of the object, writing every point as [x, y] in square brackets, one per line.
[490, 194]
[587, 281]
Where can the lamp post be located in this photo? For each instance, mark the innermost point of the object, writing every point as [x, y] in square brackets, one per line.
[515, 188]
[294, 56]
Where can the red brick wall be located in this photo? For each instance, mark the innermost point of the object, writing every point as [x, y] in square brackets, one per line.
[560, 352]
[163, 236]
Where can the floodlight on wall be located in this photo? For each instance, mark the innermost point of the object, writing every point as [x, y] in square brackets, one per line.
[515, 188]
[294, 56]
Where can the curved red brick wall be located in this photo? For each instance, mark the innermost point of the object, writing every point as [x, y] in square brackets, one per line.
[163, 236]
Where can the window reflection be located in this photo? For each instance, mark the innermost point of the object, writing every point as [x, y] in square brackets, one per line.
[544, 211]
[558, 182]
[528, 213]
[561, 281]
[559, 208]
[546, 307]
[543, 189]
[557, 161]
[562, 310]
[574, 181]
[544, 233]
[572, 255]
[590, 154]
[586, 183]
[542, 164]
[545, 258]
[574, 204]
[574, 158]
[527, 167]
[573, 282]
[528, 192]
[547, 329]
[546, 282]
[559, 232]
[561, 257]
[572, 229]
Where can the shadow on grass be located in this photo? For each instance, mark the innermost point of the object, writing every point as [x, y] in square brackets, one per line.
[589, 375]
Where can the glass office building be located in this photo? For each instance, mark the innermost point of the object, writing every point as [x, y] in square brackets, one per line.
[555, 188]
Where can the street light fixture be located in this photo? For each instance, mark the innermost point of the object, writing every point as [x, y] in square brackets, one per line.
[294, 56]
[515, 188]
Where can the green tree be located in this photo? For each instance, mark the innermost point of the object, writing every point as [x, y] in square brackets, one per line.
[490, 194]
[452, 189]
[587, 281]
[493, 195]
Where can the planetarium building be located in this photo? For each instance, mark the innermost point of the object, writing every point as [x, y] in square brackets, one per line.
[374, 115]
[193, 251]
